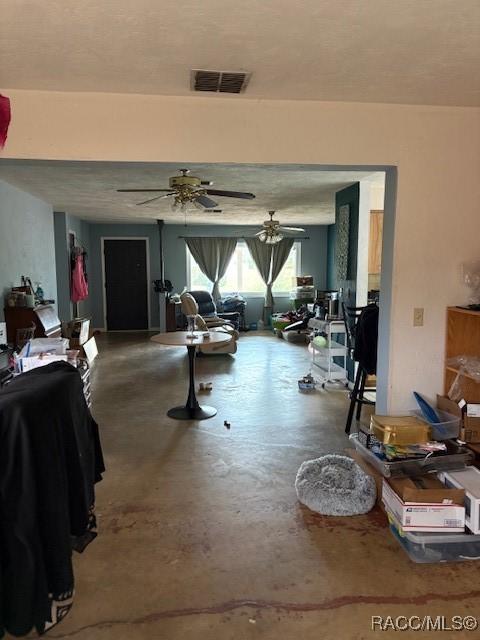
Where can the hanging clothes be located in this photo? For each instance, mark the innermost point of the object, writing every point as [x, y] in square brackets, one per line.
[5, 116]
[50, 460]
[79, 284]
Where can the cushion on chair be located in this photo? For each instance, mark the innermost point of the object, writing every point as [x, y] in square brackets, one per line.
[335, 485]
[206, 305]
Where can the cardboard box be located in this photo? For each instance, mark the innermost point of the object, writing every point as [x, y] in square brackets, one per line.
[78, 329]
[368, 468]
[469, 480]
[86, 350]
[469, 423]
[304, 281]
[426, 488]
[399, 429]
[423, 516]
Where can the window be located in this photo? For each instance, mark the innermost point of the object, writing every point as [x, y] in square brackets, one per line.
[242, 275]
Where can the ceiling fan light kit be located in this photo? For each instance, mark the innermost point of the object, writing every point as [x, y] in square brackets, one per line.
[190, 190]
[273, 232]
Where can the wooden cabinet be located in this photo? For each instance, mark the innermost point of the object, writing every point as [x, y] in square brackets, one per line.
[463, 338]
[375, 242]
[44, 317]
[173, 316]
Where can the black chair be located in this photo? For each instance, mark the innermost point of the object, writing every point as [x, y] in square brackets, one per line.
[361, 326]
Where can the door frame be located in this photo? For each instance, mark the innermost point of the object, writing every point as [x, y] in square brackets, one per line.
[104, 285]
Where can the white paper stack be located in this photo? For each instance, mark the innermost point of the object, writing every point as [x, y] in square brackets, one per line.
[39, 352]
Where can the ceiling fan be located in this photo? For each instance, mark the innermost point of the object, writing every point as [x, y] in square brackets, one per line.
[186, 189]
[272, 232]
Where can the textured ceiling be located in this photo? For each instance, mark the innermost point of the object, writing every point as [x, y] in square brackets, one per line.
[398, 51]
[301, 194]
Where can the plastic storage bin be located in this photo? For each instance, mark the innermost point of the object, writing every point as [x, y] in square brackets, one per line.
[457, 457]
[437, 547]
[447, 429]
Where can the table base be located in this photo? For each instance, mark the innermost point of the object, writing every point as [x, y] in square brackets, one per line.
[194, 413]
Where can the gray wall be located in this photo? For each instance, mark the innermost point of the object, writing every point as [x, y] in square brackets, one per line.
[64, 223]
[314, 260]
[26, 241]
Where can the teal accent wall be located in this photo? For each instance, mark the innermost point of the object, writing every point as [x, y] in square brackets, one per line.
[331, 274]
[351, 196]
[26, 241]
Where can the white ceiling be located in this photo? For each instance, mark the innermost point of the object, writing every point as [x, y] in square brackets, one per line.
[397, 51]
[302, 194]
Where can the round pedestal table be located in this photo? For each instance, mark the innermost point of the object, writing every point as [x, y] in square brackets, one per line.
[191, 410]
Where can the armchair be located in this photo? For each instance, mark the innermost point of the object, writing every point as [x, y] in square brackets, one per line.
[208, 310]
[190, 307]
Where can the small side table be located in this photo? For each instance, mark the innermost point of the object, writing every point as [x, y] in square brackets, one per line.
[191, 410]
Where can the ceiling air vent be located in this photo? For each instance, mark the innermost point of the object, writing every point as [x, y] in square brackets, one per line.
[219, 81]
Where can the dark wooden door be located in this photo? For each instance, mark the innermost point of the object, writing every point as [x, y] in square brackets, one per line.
[126, 285]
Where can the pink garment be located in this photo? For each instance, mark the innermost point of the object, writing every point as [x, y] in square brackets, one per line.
[79, 284]
[5, 115]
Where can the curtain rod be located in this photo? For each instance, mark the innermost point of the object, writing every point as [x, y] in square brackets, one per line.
[238, 237]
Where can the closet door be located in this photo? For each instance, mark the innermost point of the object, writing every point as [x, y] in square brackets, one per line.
[126, 285]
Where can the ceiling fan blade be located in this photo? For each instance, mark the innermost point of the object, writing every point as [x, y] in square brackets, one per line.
[231, 194]
[167, 195]
[299, 229]
[140, 190]
[260, 233]
[206, 202]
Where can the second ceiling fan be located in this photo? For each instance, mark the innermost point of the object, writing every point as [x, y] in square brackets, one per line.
[273, 232]
[186, 189]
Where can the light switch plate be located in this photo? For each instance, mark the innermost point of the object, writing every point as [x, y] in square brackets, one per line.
[418, 317]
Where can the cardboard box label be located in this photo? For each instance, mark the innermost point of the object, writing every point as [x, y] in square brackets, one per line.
[423, 517]
[473, 410]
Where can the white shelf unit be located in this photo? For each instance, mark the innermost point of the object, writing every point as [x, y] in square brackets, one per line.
[322, 357]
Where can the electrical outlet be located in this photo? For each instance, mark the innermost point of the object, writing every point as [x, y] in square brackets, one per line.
[418, 317]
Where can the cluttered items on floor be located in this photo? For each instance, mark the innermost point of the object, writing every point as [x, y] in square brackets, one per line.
[307, 383]
[50, 460]
[429, 488]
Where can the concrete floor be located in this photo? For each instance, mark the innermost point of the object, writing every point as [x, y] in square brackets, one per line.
[201, 536]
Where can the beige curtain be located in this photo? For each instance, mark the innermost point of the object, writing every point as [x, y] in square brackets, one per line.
[213, 256]
[269, 260]
[226, 249]
[262, 256]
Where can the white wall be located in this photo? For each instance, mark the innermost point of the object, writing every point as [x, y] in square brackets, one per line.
[26, 242]
[363, 239]
[436, 150]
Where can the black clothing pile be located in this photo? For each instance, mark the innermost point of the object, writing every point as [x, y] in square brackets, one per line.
[366, 339]
[50, 459]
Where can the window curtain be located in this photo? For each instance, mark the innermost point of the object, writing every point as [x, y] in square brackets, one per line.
[226, 249]
[269, 260]
[213, 256]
